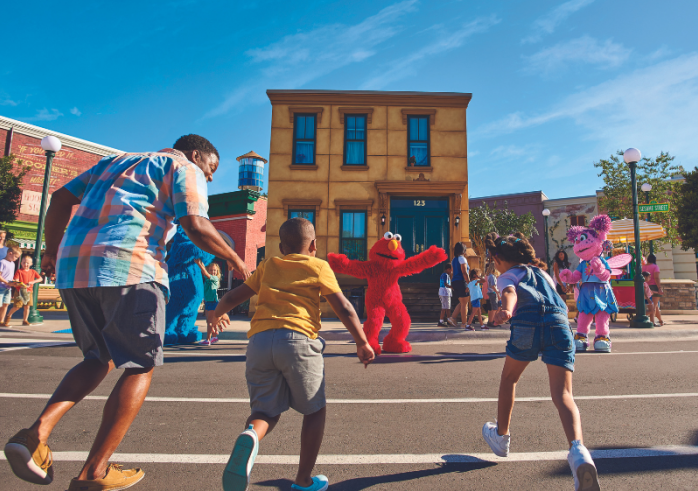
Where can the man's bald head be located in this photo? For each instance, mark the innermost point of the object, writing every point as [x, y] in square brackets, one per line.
[296, 235]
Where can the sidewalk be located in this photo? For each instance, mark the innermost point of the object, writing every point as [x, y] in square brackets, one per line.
[677, 326]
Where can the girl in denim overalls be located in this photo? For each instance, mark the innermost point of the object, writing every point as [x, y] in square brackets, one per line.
[539, 324]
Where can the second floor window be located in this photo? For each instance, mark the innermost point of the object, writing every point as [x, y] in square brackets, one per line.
[355, 140]
[418, 144]
[307, 214]
[579, 220]
[304, 139]
[352, 240]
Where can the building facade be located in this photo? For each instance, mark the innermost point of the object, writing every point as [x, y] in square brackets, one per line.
[361, 163]
[24, 141]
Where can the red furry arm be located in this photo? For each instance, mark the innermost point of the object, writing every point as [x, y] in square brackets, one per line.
[343, 265]
[427, 259]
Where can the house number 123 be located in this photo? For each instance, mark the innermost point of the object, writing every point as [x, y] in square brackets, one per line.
[419, 202]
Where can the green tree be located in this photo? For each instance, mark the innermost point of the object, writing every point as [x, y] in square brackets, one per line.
[483, 220]
[686, 206]
[658, 171]
[10, 188]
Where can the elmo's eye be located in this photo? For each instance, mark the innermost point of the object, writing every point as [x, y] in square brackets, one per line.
[398, 237]
[388, 236]
[582, 237]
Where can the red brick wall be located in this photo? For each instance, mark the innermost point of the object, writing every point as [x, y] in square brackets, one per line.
[248, 235]
[67, 164]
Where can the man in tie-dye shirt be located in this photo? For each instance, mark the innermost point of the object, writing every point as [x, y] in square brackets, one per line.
[113, 280]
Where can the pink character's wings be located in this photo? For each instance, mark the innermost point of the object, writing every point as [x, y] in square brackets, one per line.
[427, 259]
[618, 262]
[343, 265]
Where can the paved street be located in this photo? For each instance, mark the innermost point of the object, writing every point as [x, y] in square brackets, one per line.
[407, 422]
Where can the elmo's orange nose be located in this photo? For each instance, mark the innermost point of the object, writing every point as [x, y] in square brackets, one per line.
[393, 245]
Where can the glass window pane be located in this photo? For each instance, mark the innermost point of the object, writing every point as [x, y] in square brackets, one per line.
[414, 133]
[304, 152]
[355, 153]
[360, 135]
[300, 127]
[360, 122]
[347, 225]
[423, 129]
[351, 135]
[351, 123]
[310, 127]
[419, 152]
[359, 225]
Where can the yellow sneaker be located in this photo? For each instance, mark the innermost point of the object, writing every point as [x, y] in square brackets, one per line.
[116, 478]
[30, 459]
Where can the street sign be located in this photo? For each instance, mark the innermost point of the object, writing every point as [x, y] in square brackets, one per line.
[654, 207]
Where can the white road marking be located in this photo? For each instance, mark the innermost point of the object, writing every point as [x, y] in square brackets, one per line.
[458, 400]
[369, 459]
[9, 344]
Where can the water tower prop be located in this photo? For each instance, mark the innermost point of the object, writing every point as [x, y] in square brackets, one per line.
[250, 175]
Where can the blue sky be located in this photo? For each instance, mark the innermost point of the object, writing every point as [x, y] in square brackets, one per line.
[556, 84]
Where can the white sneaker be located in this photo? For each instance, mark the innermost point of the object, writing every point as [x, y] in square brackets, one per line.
[498, 443]
[583, 468]
[451, 322]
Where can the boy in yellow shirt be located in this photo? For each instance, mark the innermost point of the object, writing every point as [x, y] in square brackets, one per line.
[284, 365]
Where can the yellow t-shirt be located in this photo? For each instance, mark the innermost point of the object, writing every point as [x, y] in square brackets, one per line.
[289, 290]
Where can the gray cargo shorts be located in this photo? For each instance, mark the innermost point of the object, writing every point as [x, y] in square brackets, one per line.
[125, 324]
[285, 369]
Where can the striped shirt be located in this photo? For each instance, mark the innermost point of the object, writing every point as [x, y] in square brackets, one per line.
[126, 216]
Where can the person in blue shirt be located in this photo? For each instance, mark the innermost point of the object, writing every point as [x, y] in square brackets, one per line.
[445, 296]
[475, 296]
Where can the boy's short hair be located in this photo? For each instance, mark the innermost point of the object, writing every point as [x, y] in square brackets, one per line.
[15, 250]
[447, 267]
[475, 272]
[295, 234]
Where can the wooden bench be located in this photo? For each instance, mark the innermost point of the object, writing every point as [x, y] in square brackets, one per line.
[49, 297]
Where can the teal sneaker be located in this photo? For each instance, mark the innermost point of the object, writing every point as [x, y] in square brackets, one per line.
[236, 476]
[320, 483]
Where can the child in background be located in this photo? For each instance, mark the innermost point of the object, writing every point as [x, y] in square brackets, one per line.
[284, 366]
[649, 305]
[527, 291]
[212, 281]
[26, 277]
[7, 273]
[475, 299]
[492, 293]
[445, 297]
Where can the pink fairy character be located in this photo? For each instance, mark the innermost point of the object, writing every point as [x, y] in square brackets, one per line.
[596, 300]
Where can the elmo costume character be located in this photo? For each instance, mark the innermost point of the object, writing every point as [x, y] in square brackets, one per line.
[385, 266]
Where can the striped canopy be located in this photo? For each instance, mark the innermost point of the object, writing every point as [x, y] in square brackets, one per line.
[624, 231]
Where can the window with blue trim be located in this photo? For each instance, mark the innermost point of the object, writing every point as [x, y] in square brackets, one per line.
[307, 214]
[418, 140]
[352, 239]
[304, 139]
[355, 140]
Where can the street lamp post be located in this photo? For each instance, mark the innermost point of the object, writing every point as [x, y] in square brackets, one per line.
[51, 146]
[632, 157]
[546, 214]
[647, 187]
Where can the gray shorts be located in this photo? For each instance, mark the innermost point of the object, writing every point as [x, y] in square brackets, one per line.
[125, 324]
[445, 302]
[285, 369]
[493, 301]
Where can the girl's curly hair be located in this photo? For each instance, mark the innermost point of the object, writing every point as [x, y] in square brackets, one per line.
[514, 249]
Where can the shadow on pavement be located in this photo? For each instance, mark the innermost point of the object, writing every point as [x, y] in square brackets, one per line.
[438, 358]
[359, 483]
[636, 465]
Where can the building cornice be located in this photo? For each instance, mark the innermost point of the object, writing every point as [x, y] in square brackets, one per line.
[370, 98]
[66, 140]
[421, 188]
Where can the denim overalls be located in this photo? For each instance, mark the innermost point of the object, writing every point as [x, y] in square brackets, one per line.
[540, 323]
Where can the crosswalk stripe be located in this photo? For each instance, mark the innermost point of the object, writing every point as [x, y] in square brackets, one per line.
[456, 400]
[370, 459]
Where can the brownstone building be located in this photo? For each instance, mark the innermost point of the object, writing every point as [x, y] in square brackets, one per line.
[361, 163]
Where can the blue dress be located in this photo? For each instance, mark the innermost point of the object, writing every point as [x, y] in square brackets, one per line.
[595, 295]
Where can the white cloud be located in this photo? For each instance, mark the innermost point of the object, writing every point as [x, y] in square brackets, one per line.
[75, 111]
[549, 22]
[8, 102]
[582, 50]
[45, 115]
[653, 108]
[404, 67]
[301, 58]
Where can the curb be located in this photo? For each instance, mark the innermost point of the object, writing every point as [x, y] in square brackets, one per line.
[452, 334]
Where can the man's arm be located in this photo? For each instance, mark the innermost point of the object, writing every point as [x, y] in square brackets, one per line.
[202, 233]
[346, 313]
[57, 218]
